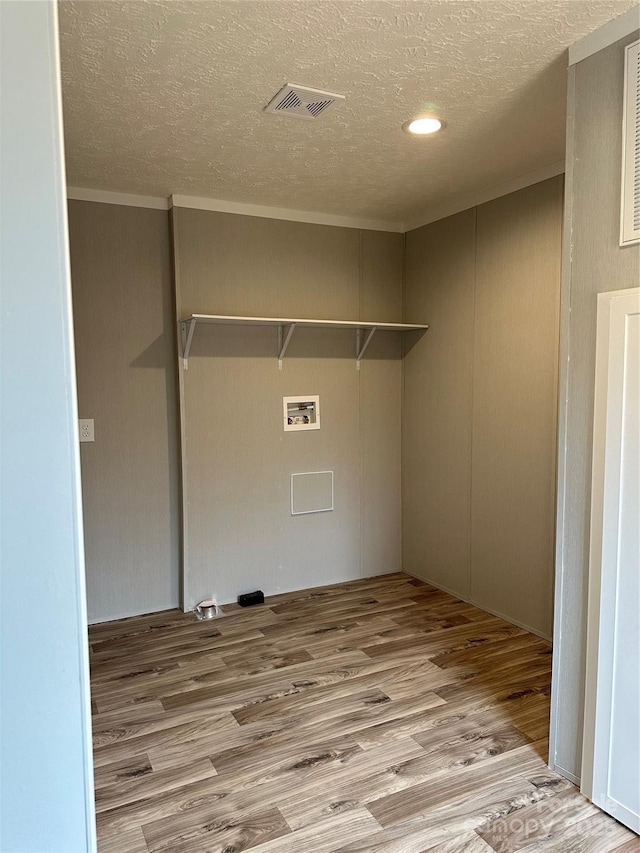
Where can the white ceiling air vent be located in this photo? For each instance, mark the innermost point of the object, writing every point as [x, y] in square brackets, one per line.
[301, 101]
[630, 209]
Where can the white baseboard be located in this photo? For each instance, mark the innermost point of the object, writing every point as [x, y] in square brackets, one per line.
[565, 773]
[99, 620]
[482, 607]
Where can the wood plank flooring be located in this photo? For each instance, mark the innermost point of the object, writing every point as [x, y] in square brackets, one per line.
[378, 716]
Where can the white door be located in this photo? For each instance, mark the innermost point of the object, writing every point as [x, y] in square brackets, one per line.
[611, 763]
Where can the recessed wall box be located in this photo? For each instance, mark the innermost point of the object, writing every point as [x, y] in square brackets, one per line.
[301, 412]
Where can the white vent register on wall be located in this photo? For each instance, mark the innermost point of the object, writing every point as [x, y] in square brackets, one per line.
[630, 206]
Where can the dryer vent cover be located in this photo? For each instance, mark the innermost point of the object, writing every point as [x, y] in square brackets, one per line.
[301, 101]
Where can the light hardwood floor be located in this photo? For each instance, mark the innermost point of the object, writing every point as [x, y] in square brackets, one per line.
[378, 716]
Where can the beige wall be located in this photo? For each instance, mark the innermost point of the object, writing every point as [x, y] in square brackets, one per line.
[479, 417]
[594, 263]
[125, 351]
[517, 297]
[237, 460]
[476, 447]
[436, 422]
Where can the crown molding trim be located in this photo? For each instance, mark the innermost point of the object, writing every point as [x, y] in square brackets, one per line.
[126, 199]
[483, 196]
[266, 212]
[314, 218]
[608, 34]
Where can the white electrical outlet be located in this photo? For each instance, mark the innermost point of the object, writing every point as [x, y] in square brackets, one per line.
[86, 429]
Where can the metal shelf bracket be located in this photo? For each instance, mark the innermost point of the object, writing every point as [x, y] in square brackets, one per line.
[284, 343]
[361, 348]
[188, 328]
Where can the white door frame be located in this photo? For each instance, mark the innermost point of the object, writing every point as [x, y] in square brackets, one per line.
[614, 309]
[46, 767]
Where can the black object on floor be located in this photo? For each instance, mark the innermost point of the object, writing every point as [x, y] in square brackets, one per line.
[250, 598]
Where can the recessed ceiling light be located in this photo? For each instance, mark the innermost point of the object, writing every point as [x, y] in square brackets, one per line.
[422, 126]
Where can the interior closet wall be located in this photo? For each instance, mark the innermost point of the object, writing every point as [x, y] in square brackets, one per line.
[125, 361]
[237, 459]
[595, 263]
[479, 416]
[436, 415]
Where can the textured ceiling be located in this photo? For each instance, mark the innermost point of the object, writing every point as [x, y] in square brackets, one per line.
[167, 97]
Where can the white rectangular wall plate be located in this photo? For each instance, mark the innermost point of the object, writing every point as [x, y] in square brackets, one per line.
[301, 413]
[86, 429]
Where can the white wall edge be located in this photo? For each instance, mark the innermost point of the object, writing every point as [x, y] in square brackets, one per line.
[58, 663]
[126, 199]
[81, 602]
[489, 194]
[265, 212]
[607, 35]
[557, 664]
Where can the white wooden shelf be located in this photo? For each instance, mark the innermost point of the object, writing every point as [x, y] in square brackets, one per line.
[286, 328]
